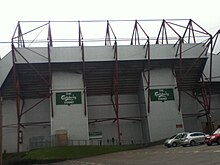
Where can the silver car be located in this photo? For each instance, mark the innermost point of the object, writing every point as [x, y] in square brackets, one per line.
[174, 140]
[193, 138]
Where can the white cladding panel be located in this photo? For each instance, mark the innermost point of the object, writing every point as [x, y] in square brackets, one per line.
[39, 113]
[66, 54]
[215, 110]
[143, 112]
[69, 117]
[5, 67]
[106, 53]
[215, 68]
[9, 114]
[32, 55]
[100, 107]
[164, 116]
[99, 53]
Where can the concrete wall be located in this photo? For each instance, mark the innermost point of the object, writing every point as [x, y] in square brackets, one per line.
[69, 117]
[100, 107]
[163, 116]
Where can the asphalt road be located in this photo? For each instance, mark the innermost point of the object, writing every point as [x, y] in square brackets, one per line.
[156, 155]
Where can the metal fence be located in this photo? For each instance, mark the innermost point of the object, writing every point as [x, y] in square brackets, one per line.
[51, 141]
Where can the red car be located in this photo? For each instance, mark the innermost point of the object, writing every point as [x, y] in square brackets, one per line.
[213, 138]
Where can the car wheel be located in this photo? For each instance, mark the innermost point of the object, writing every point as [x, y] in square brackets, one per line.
[218, 141]
[174, 144]
[209, 144]
[192, 143]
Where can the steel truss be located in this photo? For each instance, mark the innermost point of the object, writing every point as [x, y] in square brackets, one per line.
[189, 34]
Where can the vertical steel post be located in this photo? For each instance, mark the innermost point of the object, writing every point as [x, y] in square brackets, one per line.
[17, 88]
[20, 37]
[180, 79]
[50, 80]
[148, 74]
[107, 36]
[209, 119]
[49, 44]
[84, 80]
[147, 57]
[116, 86]
[83, 68]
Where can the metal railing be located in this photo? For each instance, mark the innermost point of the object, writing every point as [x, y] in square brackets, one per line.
[51, 141]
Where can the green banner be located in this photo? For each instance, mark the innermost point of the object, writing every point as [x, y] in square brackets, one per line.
[68, 98]
[161, 94]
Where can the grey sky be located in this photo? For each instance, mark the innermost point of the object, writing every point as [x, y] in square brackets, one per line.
[205, 13]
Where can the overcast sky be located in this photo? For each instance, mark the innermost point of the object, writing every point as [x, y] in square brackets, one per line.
[205, 13]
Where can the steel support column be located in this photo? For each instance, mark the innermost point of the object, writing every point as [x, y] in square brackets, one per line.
[50, 44]
[115, 95]
[208, 116]
[147, 57]
[18, 94]
[162, 32]
[83, 69]
[115, 83]
[136, 39]
[180, 73]
[135, 35]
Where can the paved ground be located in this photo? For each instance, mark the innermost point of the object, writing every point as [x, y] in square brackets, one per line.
[156, 155]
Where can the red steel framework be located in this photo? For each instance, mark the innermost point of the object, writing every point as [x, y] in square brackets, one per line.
[162, 38]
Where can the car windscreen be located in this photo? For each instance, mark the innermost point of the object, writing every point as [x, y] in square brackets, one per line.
[184, 135]
[217, 131]
[172, 137]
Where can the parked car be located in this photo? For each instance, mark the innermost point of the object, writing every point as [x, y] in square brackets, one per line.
[193, 138]
[174, 140]
[213, 138]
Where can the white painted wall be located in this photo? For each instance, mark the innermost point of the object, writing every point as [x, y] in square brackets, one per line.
[69, 117]
[163, 116]
[131, 130]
